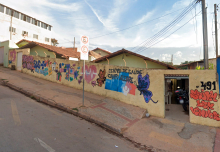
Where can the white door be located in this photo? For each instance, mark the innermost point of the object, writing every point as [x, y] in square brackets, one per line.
[19, 61]
[1, 55]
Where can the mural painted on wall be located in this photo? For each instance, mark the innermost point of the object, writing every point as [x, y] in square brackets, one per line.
[90, 73]
[143, 85]
[121, 81]
[205, 101]
[101, 79]
[28, 62]
[12, 56]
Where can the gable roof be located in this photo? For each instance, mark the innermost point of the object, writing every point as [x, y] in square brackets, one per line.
[59, 50]
[23, 41]
[94, 54]
[102, 50]
[132, 53]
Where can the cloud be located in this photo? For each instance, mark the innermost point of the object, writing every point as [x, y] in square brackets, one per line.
[178, 54]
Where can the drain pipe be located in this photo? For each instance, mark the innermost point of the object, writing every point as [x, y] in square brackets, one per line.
[107, 60]
[36, 53]
[124, 61]
[145, 63]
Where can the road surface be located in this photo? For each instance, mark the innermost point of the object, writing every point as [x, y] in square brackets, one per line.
[29, 126]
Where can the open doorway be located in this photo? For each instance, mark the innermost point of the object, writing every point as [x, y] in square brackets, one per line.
[173, 109]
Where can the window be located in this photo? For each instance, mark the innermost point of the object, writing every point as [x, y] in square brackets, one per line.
[38, 23]
[24, 33]
[16, 14]
[47, 39]
[28, 19]
[2, 8]
[8, 11]
[35, 36]
[13, 29]
[49, 27]
[23, 17]
[34, 21]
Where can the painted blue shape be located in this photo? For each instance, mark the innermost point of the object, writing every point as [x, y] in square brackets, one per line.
[43, 64]
[64, 70]
[67, 66]
[218, 70]
[37, 64]
[116, 84]
[62, 64]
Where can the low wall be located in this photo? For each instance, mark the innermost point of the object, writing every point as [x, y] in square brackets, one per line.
[12, 56]
[140, 87]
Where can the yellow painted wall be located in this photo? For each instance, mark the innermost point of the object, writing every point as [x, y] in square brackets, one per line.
[40, 51]
[93, 83]
[132, 61]
[23, 43]
[102, 53]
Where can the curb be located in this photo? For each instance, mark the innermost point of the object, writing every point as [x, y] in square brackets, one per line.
[53, 104]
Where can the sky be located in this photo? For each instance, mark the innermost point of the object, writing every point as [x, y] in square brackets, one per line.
[100, 19]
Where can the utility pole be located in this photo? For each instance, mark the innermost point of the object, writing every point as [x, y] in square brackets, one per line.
[216, 38]
[11, 25]
[74, 43]
[172, 59]
[205, 35]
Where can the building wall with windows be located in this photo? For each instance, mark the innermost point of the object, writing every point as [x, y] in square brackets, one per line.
[23, 27]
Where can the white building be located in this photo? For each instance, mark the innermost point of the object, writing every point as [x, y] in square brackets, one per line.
[23, 27]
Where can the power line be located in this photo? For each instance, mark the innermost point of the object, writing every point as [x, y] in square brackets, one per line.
[170, 34]
[167, 28]
[136, 25]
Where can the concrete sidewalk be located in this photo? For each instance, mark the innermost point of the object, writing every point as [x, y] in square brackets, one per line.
[156, 133]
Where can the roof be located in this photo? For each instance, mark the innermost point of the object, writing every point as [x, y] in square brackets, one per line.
[102, 50]
[200, 61]
[94, 54]
[66, 52]
[23, 41]
[132, 53]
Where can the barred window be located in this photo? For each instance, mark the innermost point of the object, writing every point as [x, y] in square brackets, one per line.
[38, 23]
[16, 14]
[8, 11]
[13, 29]
[47, 40]
[2, 8]
[28, 19]
[35, 36]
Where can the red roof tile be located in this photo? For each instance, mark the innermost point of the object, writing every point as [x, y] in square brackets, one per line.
[59, 50]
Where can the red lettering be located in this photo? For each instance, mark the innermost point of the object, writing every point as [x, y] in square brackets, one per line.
[206, 96]
[205, 114]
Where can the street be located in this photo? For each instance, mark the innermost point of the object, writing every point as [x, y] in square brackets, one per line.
[29, 126]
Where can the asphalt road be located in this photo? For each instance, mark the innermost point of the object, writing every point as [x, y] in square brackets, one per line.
[29, 126]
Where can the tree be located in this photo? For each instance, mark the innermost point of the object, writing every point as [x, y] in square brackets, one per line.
[54, 42]
[186, 62]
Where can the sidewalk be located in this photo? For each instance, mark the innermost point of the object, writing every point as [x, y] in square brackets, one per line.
[155, 133]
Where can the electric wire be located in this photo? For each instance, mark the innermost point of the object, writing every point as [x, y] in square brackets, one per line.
[169, 34]
[136, 24]
[166, 28]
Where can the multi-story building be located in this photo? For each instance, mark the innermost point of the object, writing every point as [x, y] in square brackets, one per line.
[16, 26]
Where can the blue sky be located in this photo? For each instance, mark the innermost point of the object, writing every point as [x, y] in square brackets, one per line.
[72, 18]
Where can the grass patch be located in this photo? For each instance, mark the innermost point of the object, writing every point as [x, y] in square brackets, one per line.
[32, 97]
[75, 109]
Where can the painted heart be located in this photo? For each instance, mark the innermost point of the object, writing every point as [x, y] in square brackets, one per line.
[90, 73]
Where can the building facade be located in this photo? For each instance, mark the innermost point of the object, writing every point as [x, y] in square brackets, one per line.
[16, 25]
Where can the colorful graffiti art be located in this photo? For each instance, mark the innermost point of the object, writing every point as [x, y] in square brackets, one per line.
[28, 62]
[101, 78]
[12, 56]
[143, 85]
[120, 83]
[90, 73]
[203, 100]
